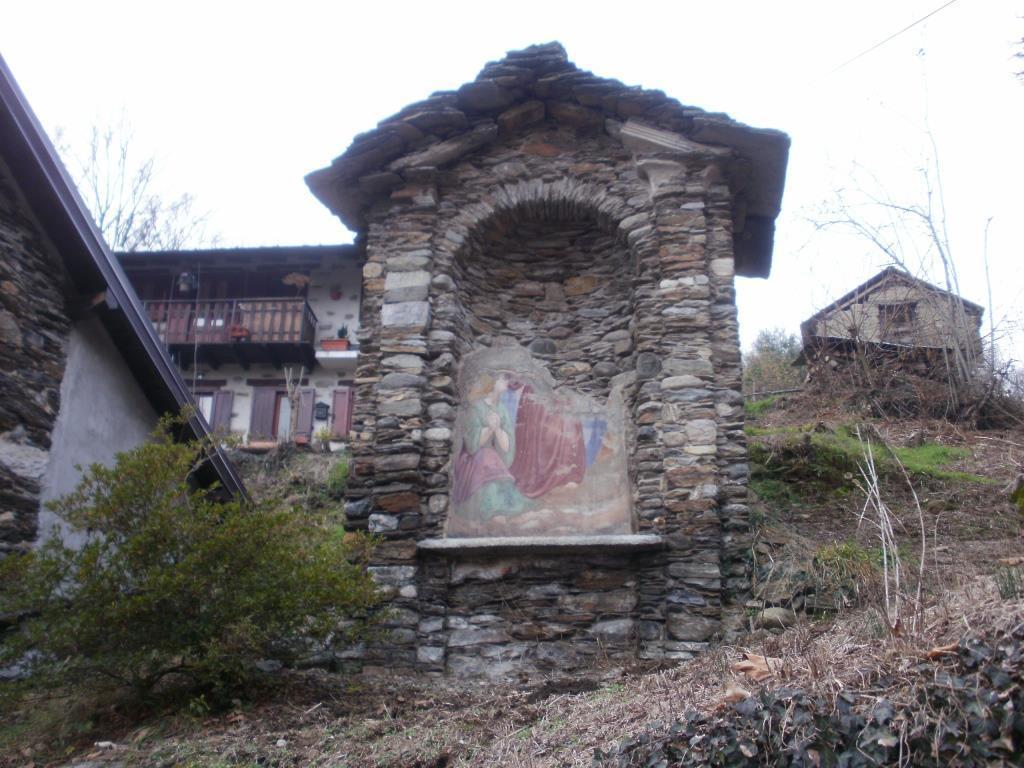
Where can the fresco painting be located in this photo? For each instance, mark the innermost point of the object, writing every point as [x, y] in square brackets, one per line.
[530, 459]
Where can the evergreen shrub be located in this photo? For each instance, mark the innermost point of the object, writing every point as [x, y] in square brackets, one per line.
[176, 586]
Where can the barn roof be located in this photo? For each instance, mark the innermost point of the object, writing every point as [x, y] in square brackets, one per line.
[876, 282]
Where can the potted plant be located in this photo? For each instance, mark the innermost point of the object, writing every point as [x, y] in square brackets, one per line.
[339, 344]
[323, 436]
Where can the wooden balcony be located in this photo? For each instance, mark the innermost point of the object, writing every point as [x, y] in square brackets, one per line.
[274, 330]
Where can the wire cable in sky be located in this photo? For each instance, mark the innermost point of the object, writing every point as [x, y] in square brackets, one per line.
[892, 36]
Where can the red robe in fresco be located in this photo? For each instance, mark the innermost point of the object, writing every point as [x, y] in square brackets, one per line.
[549, 448]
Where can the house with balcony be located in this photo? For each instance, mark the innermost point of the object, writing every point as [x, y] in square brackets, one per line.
[246, 326]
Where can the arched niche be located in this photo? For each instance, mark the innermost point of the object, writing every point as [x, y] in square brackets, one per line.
[544, 294]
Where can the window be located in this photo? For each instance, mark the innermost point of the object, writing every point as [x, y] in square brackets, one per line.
[271, 417]
[282, 416]
[896, 316]
[215, 405]
[341, 422]
[204, 401]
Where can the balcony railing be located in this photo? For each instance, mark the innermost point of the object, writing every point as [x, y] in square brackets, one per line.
[233, 321]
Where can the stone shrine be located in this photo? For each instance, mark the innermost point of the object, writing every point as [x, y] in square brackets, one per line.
[548, 430]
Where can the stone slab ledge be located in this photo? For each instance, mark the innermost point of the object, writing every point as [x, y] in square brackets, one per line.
[604, 543]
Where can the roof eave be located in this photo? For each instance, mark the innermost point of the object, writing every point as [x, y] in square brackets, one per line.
[51, 195]
[543, 74]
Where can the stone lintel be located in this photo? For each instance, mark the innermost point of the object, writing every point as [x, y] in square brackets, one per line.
[638, 137]
[621, 542]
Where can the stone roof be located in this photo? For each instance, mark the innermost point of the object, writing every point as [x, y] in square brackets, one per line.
[873, 284]
[540, 82]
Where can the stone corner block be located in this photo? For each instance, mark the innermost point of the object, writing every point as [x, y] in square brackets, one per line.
[406, 286]
[406, 314]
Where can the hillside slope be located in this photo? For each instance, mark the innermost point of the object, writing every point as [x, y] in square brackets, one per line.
[811, 672]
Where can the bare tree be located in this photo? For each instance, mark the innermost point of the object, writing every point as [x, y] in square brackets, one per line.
[293, 388]
[914, 237]
[120, 191]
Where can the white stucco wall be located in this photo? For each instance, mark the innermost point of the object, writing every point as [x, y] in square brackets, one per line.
[103, 411]
[236, 378]
[335, 276]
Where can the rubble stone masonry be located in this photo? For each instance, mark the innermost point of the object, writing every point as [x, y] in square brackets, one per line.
[600, 228]
[34, 328]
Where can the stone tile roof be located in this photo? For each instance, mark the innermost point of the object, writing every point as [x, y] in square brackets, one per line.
[524, 88]
[871, 285]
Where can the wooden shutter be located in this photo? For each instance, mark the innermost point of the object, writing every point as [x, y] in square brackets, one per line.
[261, 423]
[221, 419]
[304, 423]
[341, 420]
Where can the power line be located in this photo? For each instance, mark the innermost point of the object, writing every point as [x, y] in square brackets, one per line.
[892, 36]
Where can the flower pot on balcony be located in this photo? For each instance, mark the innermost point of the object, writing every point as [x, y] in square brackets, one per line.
[239, 333]
[334, 345]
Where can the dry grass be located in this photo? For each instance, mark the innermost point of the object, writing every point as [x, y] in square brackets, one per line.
[849, 655]
[423, 721]
[319, 719]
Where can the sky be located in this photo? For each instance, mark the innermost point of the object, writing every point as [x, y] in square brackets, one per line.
[239, 101]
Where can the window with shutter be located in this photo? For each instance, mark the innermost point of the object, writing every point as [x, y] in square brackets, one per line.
[341, 409]
[222, 404]
[261, 422]
[304, 423]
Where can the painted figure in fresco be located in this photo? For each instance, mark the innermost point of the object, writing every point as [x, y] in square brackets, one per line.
[550, 451]
[515, 449]
[488, 449]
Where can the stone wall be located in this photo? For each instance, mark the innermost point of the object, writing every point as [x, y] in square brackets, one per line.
[607, 248]
[33, 335]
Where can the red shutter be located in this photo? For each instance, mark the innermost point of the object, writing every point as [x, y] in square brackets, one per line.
[342, 412]
[261, 423]
[221, 419]
[304, 423]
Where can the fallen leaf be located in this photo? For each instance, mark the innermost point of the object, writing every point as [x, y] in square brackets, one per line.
[942, 650]
[757, 667]
[734, 693]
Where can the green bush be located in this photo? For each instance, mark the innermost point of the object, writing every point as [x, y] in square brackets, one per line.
[173, 586]
[848, 573]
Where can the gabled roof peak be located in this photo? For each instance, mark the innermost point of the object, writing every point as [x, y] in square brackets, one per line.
[874, 283]
[520, 90]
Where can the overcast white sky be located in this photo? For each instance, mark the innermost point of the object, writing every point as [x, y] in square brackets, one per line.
[240, 100]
